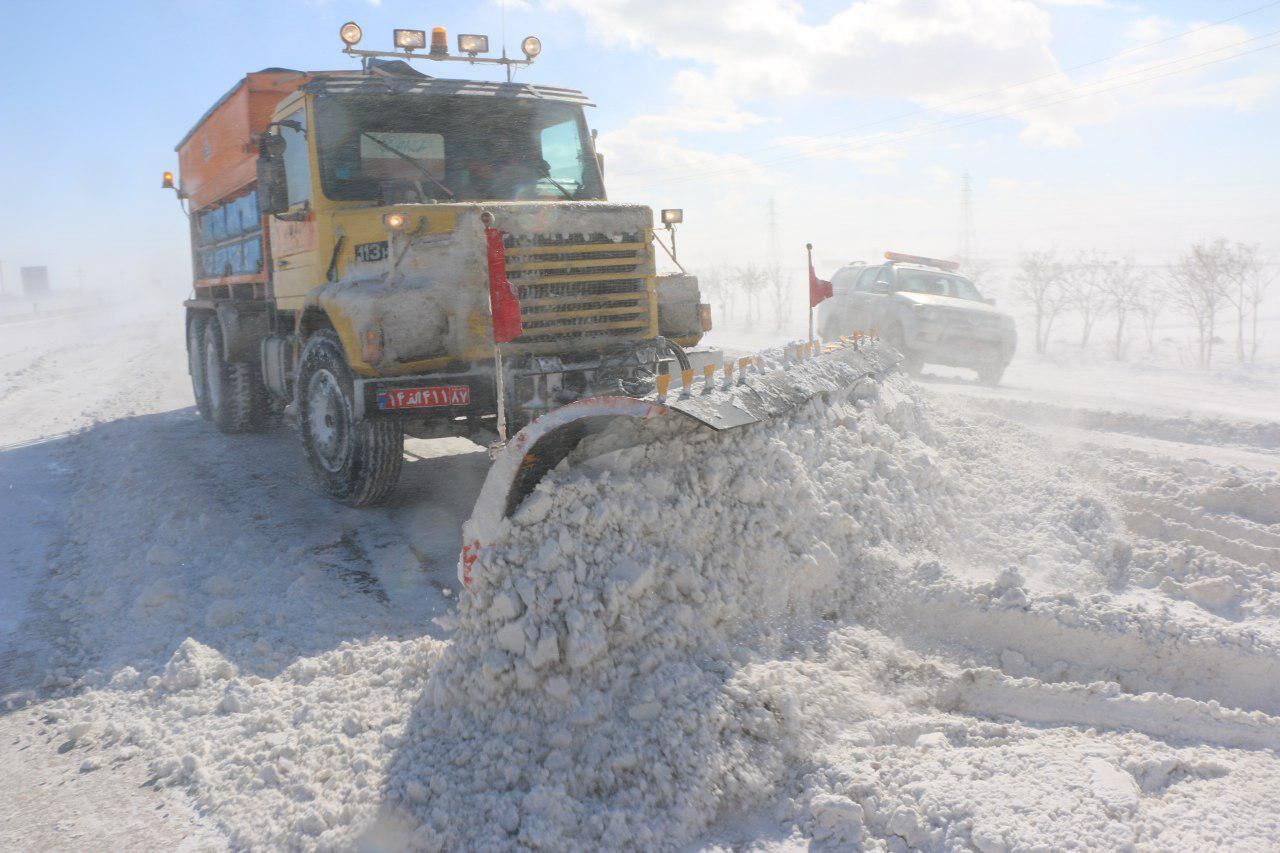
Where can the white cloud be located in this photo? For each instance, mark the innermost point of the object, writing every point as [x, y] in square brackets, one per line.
[875, 155]
[956, 57]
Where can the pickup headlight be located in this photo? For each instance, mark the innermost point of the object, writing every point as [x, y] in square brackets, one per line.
[927, 312]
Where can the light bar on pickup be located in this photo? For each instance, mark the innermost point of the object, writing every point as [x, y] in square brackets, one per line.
[898, 257]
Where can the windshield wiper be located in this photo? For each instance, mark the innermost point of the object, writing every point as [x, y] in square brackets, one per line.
[403, 156]
[560, 187]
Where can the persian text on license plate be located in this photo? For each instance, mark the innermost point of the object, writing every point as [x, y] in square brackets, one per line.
[424, 398]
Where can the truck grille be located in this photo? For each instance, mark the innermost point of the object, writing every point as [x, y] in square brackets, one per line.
[583, 288]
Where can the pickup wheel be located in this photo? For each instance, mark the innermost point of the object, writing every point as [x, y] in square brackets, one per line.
[195, 365]
[356, 462]
[991, 374]
[237, 399]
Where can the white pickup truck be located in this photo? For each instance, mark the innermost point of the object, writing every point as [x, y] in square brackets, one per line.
[926, 310]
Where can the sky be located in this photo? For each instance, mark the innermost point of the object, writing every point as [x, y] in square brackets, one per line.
[1134, 128]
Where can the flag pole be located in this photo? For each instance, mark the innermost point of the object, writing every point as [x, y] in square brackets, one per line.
[502, 395]
[808, 247]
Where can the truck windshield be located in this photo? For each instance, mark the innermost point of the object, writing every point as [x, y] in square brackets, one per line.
[937, 284]
[420, 148]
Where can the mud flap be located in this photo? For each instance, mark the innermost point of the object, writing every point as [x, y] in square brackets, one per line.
[778, 384]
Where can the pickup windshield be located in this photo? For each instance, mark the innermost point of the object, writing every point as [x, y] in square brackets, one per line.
[395, 148]
[937, 284]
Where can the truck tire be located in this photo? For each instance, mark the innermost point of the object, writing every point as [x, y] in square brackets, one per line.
[195, 364]
[991, 374]
[237, 399]
[357, 463]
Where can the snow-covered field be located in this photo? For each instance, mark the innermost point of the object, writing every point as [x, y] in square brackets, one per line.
[926, 615]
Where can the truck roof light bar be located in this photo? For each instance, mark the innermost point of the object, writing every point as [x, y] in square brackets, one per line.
[412, 44]
[409, 39]
[350, 33]
[899, 258]
[472, 44]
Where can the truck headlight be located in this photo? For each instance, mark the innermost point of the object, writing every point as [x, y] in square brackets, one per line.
[350, 33]
[473, 44]
[410, 39]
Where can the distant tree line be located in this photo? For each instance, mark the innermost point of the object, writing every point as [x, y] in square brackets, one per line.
[755, 293]
[1213, 284]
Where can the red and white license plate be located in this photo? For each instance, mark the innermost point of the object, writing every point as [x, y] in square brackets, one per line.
[424, 398]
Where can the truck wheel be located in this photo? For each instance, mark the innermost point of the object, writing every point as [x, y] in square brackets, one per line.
[357, 463]
[195, 365]
[991, 374]
[237, 399]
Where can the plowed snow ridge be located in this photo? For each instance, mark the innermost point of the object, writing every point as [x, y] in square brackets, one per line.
[873, 622]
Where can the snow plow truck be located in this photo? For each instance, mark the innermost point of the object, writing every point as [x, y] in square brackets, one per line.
[353, 233]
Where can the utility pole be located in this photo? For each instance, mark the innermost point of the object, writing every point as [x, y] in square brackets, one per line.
[966, 217]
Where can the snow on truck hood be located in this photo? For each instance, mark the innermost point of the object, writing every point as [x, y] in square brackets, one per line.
[951, 302]
[763, 620]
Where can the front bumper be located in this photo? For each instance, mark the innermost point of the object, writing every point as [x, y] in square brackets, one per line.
[533, 385]
[963, 344]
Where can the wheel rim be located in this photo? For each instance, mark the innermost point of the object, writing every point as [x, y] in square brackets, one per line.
[327, 420]
[213, 373]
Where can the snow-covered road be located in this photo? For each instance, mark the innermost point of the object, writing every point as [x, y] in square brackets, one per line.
[928, 617]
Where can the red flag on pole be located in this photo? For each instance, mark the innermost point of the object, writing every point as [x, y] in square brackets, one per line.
[818, 289]
[504, 304]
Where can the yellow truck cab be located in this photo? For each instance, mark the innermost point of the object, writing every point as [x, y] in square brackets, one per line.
[349, 230]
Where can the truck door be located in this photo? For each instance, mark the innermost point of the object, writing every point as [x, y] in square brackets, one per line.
[862, 300]
[880, 296]
[293, 236]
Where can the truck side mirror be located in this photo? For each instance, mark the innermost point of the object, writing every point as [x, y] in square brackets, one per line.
[273, 190]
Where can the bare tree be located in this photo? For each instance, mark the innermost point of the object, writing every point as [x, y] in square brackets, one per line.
[714, 286]
[1083, 283]
[751, 280]
[1040, 282]
[1199, 286]
[1238, 263]
[1259, 282]
[778, 292]
[1120, 285]
[981, 273]
[1151, 292]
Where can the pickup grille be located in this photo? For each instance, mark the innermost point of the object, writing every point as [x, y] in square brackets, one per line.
[586, 289]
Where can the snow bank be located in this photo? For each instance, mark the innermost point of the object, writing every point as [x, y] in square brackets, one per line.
[873, 623]
[586, 699]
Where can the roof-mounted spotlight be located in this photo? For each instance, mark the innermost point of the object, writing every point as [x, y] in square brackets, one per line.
[472, 44]
[350, 33]
[672, 216]
[532, 46]
[410, 39]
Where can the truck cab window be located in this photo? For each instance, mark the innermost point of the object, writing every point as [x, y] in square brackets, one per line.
[867, 279]
[562, 151]
[842, 281]
[297, 162]
[455, 149]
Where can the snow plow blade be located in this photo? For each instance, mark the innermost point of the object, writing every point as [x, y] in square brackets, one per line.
[777, 383]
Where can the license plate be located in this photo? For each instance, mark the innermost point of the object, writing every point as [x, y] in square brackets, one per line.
[424, 398]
